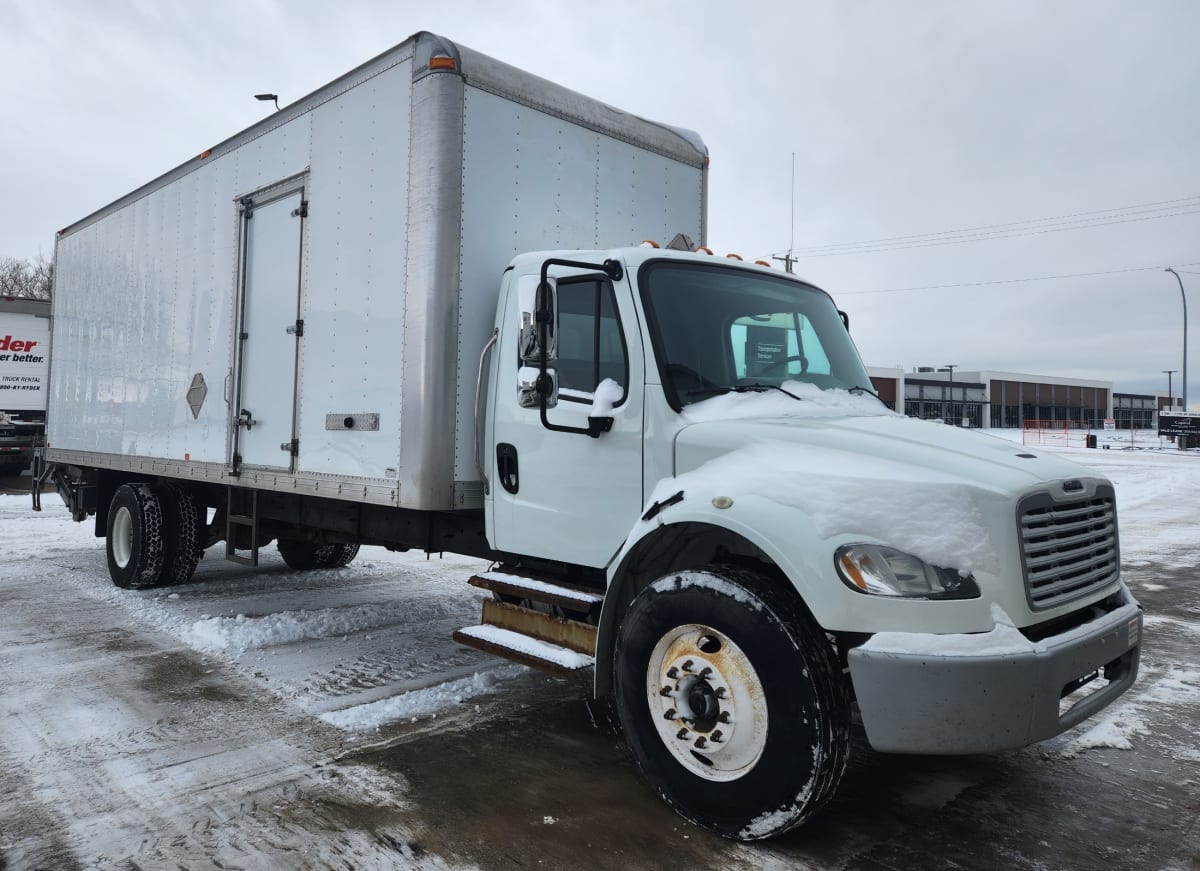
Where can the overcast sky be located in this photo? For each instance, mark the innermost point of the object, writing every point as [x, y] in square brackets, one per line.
[906, 120]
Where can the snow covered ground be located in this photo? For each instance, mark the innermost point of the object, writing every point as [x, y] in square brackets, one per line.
[272, 718]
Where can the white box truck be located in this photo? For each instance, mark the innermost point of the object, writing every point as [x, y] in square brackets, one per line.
[24, 367]
[413, 310]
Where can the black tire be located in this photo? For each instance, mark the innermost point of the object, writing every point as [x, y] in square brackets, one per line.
[135, 537]
[298, 553]
[793, 709]
[183, 533]
[304, 555]
[336, 556]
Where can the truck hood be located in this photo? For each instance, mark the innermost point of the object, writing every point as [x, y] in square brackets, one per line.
[932, 490]
[890, 446]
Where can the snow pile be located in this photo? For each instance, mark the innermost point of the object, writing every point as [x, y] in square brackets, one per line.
[1004, 639]
[1113, 731]
[807, 401]
[929, 514]
[1115, 727]
[608, 393]
[421, 703]
[240, 633]
[682, 580]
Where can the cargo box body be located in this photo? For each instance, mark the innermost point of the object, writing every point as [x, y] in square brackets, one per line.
[303, 306]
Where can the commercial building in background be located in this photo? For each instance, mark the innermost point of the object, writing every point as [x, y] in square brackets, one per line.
[988, 399]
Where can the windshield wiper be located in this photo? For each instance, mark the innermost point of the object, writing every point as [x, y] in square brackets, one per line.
[742, 388]
[861, 390]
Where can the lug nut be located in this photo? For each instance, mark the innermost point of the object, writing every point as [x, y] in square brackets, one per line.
[665, 691]
[670, 715]
[705, 672]
[701, 743]
[717, 737]
[687, 666]
[672, 672]
[724, 717]
[682, 734]
[719, 692]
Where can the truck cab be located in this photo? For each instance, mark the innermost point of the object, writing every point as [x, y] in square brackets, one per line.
[777, 547]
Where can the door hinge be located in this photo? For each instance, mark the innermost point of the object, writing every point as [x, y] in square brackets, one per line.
[292, 447]
[296, 329]
[301, 212]
[247, 207]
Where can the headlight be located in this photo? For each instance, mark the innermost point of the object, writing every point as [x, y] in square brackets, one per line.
[885, 571]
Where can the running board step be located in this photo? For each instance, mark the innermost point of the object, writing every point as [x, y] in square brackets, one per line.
[542, 655]
[534, 638]
[557, 593]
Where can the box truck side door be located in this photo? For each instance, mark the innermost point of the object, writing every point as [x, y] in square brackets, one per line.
[562, 495]
[264, 421]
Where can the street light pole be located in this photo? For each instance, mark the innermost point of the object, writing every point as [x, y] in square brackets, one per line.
[949, 367]
[1170, 395]
[1182, 296]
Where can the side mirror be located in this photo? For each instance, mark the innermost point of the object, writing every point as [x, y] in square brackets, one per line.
[541, 321]
[531, 384]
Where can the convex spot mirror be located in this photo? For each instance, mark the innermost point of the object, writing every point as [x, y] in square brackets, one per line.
[528, 391]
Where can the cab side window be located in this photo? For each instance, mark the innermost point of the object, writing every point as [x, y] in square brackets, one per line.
[591, 346]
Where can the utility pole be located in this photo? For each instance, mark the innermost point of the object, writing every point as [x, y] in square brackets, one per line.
[1183, 296]
[788, 259]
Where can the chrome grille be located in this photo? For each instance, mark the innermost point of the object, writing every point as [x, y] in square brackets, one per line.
[1068, 549]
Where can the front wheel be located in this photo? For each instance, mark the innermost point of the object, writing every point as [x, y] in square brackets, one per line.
[731, 699]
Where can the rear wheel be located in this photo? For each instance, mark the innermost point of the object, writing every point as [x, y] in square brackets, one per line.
[135, 537]
[183, 533]
[303, 555]
[731, 699]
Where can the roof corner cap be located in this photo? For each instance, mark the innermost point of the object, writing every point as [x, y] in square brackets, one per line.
[428, 46]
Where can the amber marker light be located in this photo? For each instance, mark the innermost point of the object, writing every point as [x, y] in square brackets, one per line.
[442, 63]
[733, 256]
[852, 572]
[205, 154]
[650, 242]
[762, 263]
[702, 249]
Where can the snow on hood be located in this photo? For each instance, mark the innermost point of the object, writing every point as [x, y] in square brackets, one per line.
[813, 403]
[857, 468]
[926, 513]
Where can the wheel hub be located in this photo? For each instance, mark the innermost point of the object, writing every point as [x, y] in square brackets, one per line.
[707, 701]
[122, 537]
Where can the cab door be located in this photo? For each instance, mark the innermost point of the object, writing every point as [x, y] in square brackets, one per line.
[564, 495]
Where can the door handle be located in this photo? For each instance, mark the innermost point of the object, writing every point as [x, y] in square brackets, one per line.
[246, 419]
[506, 467]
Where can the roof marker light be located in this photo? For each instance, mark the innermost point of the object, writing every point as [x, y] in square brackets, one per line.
[762, 263]
[701, 248]
[442, 62]
[205, 154]
[649, 242]
[733, 256]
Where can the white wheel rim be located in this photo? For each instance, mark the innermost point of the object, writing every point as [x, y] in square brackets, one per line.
[707, 702]
[122, 537]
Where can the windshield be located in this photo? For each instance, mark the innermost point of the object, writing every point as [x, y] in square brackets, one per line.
[718, 329]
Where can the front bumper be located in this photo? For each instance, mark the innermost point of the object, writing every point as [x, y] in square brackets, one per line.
[947, 704]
